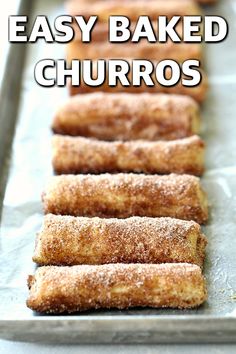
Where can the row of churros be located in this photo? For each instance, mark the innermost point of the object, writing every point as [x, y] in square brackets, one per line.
[100, 47]
[122, 215]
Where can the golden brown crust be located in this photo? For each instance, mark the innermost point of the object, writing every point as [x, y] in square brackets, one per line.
[124, 195]
[83, 155]
[67, 240]
[133, 10]
[157, 51]
[121, 116]
[198, 92]
[78, 288]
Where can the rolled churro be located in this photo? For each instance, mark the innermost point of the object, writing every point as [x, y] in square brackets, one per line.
[198, 92]
[122, 116]
[68, 240]
[101, 29]
[123, 195]
[133, 9]
[157, 51]
[83, 155]
[78, 288]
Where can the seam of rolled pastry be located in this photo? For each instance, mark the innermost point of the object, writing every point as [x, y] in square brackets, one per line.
[121, 116]
[133, 9]
[67, 240]
[124, 195]
[78, 288]
[83, 155]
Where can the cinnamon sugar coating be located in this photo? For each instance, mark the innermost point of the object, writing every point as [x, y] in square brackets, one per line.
[121, 116]
[123, 195]
[84, 155]
[67, 240]
[70, 289]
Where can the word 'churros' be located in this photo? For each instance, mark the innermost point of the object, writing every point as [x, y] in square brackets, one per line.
[124, 195]
[66, 240]
[78, 288]
[83, 155]
[128, 116]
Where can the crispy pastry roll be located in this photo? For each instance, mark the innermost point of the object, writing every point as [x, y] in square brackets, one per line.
[123, 116]
[198, 92]
[157, 51]
[83, 155]
[123, 195]
[70, 289]
[68, 240]
[133, 9]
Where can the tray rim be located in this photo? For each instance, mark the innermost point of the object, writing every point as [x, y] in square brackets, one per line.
[148, 329]
[84, 317]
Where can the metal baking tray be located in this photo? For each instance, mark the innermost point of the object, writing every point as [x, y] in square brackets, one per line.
[28, 168]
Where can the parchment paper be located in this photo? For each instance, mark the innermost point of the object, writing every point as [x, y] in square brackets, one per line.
[31, 167]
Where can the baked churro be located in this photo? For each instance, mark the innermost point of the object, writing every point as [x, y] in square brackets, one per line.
[157, 51]
[83, 155]
[68, 240]
[123, 195]
[133, 9]
[198, 92]
[70, 289]
[121, 116]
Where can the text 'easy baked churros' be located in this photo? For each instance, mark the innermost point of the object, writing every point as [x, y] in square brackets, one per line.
[84, 155]
[128, 116]
[123, 195]
[68, 240]
[78, 288]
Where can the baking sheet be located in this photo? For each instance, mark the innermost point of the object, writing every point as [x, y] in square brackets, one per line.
[30, 168]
